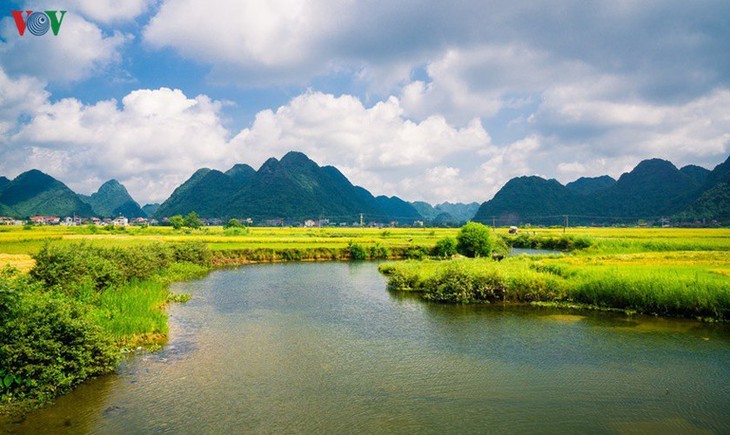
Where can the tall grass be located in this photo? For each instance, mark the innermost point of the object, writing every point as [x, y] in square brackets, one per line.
[689, 289]
[134, 309]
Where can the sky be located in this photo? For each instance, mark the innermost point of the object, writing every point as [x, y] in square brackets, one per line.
[427, 100]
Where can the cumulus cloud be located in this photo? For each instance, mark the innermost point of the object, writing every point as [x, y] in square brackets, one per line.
[152, 141]
[109, 11]
[79, 51]
[376, 147]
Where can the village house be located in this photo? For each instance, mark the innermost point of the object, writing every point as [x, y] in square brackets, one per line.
[309, 223]
[120, 221]
[45, 220]
[10, 221]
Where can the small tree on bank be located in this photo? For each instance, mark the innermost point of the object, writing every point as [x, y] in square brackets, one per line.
[475, 240]
[177, 222]
[445, 248]
[192, 220]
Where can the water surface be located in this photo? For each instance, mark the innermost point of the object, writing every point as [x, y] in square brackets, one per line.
[324, 347]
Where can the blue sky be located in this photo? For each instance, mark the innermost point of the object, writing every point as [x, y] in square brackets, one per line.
[425, 100]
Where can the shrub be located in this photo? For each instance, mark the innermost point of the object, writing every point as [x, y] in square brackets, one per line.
[191, 220]
[177, 222]
[48, 345]
[379, 251]
[475, 240]
[445, 248]
[79, 265]
[69, 267]
[415, 253]
[456, 284]
[356, 251]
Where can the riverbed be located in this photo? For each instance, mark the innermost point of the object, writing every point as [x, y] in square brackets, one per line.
[324, 347]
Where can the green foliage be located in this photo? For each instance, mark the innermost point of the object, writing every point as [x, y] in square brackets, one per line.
[415, 253]
[457, 284]
[378, 251]
[445, 248]
[475, 240]
[112, 200]
[563, 242]
[191, 220]
[66, 320]
[356, 251]
[82, 265]
[48, 343]
[235, 228]
[36, 193]
[653, 283]
[234, 223]
[177, 222]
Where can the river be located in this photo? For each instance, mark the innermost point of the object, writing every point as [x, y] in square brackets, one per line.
[324, 347]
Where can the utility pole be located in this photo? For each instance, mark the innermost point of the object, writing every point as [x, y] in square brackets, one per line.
[566, 223]
[362, 223]
[494, 222]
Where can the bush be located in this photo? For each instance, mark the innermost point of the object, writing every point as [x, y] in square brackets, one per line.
[69, 267]
[75, 266]
[475, 240]
[48, 345]
[415, 253]
[445, 248]
[456, 284]
[379, 251]
[177, 222]
[356, 251]
[191, 220]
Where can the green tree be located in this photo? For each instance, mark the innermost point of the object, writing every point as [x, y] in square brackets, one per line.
[177, 222]
[445, 247]
[192, 221]
[475, 240]
[234, 223]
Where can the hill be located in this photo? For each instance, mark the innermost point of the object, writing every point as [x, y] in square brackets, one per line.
[654, 188]
[150, 209]
[588, 185]
[460, 212]
[713, 200]
[293, 188]
[35, 193]
[111, 200]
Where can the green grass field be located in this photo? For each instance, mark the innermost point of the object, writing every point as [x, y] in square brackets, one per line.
[673, 272]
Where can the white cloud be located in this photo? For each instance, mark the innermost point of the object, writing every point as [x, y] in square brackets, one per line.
[79, 51]
[253, 40]
[152, 141]
[375, 147]
[109, 11]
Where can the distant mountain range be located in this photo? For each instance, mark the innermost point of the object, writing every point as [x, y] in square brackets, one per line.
[295, 188]
[112, 199]
[36, 193]
[655, 188]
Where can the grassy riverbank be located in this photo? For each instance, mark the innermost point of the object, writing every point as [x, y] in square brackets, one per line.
[663, 275]
[79, 308]
[73, 299]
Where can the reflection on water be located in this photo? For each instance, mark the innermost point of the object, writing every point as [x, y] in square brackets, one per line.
[322, 347]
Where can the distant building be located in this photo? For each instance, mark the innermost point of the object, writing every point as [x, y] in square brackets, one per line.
[309, 223]
[10, 221]
[120, 221]
[45, 220]
[417, 223]
[274, 222]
